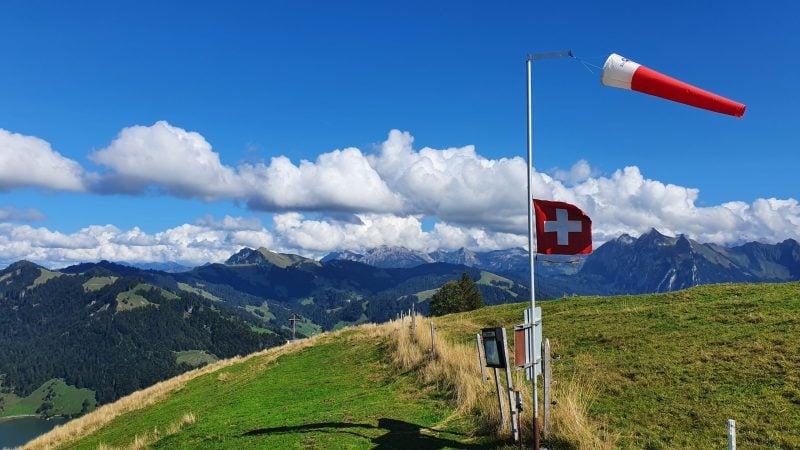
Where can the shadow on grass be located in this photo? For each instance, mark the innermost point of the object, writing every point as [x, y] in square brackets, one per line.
[399, 434]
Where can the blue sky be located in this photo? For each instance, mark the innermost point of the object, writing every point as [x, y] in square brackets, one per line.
[260, 80]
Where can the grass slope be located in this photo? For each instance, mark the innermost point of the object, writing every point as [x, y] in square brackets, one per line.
[341, 392]
[198, 291]
[46, 275]
[66, 400]
[131, 299]
[97, 283]
[668, 370]
[652, 371]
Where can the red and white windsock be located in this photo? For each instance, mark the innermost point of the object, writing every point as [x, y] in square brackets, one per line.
[623, 73]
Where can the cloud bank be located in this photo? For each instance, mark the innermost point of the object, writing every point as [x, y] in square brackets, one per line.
[350, 199]
[204, 241]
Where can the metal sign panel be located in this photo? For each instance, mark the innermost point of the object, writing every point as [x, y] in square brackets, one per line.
[522, 341]
[493, 347]
[520, 358]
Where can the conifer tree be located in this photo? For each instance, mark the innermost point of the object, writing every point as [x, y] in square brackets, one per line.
[456, 296]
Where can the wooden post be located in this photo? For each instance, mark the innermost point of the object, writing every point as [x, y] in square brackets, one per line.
[512, 406]
[433, 342]
[413, 322]
[548, 379]
[731, 434]
[480, 357]
[499, 397]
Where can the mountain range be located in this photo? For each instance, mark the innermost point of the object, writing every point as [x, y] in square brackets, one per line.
[650, 263]
[113, 328]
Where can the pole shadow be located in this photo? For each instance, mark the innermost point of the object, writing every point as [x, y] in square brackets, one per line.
[398, 434]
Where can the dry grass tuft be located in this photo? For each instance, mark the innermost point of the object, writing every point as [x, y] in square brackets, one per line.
[454, 370]
[142, 441]
[571, 421]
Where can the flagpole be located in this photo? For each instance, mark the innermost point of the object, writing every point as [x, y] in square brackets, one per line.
[531, 260]
[531, 240]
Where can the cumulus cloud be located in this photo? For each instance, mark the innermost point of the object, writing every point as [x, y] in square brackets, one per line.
[168, 158]
[342, 180]
[580, 171]
[321, 236]
[190, 244]
[27, 161]
[455, 184]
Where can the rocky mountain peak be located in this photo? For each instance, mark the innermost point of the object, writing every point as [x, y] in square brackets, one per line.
[263, 256]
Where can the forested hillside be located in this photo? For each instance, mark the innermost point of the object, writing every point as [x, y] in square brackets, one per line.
[113, 335]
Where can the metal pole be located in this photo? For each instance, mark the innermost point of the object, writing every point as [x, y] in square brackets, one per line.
[548, 384]
[731, 434]
[531, 253]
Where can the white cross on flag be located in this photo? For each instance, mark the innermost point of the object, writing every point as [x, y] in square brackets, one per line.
[562, 229]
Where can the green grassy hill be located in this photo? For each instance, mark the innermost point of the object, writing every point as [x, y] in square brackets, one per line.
[653, 371]
[334, 391]
[668, 370]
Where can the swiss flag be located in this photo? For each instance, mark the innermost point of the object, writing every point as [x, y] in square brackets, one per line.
[562, 229]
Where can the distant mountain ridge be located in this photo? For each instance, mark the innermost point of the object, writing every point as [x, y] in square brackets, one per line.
[401, 257]
[658, 263]
[650, 263]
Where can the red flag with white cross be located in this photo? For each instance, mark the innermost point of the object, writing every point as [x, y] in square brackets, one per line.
[562, 229]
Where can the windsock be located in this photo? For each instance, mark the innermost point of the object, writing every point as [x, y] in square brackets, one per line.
[623, 73]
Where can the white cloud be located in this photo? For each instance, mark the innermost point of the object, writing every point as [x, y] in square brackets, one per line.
[318, 237]
[359, 200]
[188, 244]
[580, 171]
[27, 161]
[165, 157]
[456, 185]
[342, 180]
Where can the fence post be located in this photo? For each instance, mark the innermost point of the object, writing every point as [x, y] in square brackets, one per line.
[731, 434]
[548, 380]
[480, 357]
[499, 397]
[433, 342]
[512, 407]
